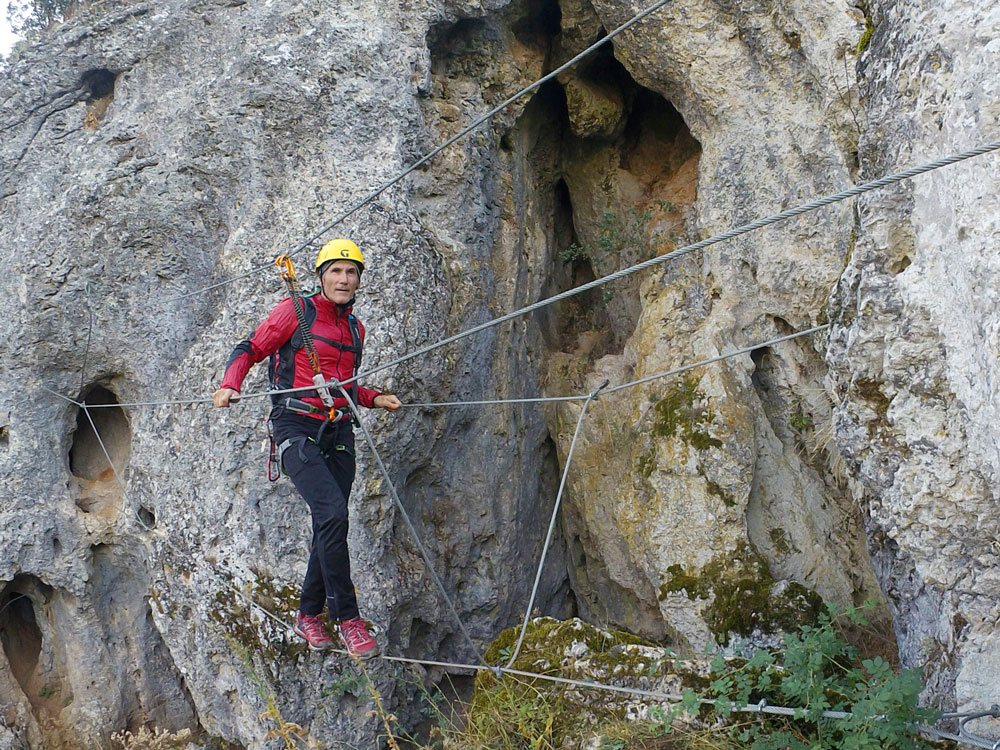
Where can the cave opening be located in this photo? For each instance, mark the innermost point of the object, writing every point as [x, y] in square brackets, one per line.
[99, 87]
[20, 635]
[24, 646]
[87, 457]
[541, 22]
[621, 167]
[95, 487]
[594, 173]
[98, 83]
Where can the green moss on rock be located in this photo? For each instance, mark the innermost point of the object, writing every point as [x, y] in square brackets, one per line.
[259, 636]
[716, 489]
[743, 596]
[677, 415]
[646, 463]
[542, 713]
[782, 544]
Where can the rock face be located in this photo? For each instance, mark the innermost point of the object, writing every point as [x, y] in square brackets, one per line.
[913, 351]
[688, 474]
[150, 150]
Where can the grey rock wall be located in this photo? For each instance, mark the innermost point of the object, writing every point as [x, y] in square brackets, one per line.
[913, 351]
[218, 134]
[702, 473]
[150, 150]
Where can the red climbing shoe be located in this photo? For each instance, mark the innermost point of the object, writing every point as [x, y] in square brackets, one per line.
[359, 642]
[311, 628]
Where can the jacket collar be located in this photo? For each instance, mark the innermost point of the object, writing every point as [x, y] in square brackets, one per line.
[334, 308]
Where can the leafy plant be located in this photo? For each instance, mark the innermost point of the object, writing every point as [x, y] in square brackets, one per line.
[799, 420]
[624, 237]
[348, 683]
[817, 672]
[28, 16]
[574, 252]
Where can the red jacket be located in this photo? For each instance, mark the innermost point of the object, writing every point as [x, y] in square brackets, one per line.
[331, 326]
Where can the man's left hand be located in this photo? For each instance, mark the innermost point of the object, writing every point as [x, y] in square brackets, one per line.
[387, 401]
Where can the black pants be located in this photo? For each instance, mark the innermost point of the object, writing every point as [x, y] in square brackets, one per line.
[321, 466]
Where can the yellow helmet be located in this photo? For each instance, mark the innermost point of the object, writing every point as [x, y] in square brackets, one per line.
[340, 249]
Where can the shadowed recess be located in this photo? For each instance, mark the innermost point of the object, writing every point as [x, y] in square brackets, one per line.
[86, 458]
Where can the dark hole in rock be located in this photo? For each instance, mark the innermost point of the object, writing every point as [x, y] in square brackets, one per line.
[900, 265]
[456, 37]
[542, 22]
[147, 517]
[562, 325]
[757, 355]
[20, 636]
[87, 458]
[452, 695]
[423, 636]
[99, 83]
[89, 504]
[783, 327]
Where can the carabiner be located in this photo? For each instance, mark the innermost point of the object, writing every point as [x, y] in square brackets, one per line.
[273, 467]
[284, 264]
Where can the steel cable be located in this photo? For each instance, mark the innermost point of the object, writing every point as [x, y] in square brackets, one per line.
[673, 255]
[431, 154]
[760, 223]
[409, 525]
[552, 523]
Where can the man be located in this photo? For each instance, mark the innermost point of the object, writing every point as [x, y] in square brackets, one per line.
[316, 443]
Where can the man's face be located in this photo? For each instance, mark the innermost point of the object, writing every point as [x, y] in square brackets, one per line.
[340, 281]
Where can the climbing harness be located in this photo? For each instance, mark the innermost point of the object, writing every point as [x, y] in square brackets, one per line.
[278, 453]
[298, 406]
[305, 311]
[275, 468]
[301, 407]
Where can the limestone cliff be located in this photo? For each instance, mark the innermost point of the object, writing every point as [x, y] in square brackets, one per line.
[152, 149]
[913, 351]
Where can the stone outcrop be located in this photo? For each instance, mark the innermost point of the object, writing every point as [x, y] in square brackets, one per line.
[913, 351]
[688, 474]
[150, 150]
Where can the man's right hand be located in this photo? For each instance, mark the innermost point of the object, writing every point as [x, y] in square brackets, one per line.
[223, 396]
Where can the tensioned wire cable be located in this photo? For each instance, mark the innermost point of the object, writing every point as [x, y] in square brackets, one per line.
[495, 402]
[431, 154]
[86, 408]
[762, 707]
[760, 223]
[166, 539]
[409, 525]
[673, 255]
[611, 277]
[569, 458]
[740, 230]
[552, 524]
[589, 397]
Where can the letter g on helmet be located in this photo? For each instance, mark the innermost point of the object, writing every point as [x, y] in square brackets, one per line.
[340, 249]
